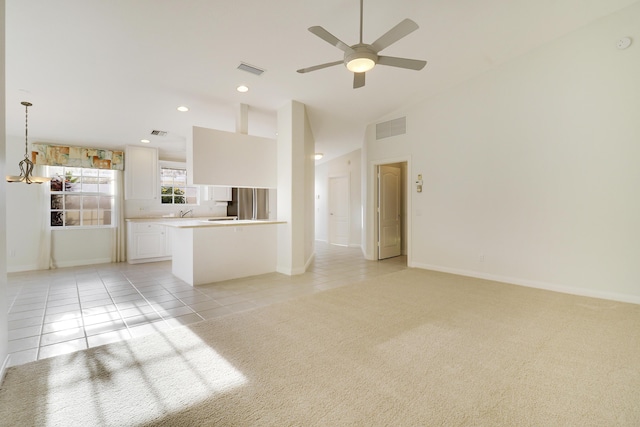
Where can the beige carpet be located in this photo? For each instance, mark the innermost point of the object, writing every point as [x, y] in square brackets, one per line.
[406, 349]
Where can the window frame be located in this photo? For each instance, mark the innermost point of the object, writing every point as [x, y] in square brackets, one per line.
[53, 172]
[165, 164]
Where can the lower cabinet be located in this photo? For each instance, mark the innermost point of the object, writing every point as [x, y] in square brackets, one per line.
[148, 242]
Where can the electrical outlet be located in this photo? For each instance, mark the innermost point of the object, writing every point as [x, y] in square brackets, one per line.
[12, 253]
[481, 257]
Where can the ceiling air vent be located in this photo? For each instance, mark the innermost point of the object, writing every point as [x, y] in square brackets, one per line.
[391, 128]
[158, 133]
[250, 69]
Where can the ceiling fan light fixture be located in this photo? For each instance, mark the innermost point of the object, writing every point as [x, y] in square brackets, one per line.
[360, 60]
[360, 65]
[362, 57]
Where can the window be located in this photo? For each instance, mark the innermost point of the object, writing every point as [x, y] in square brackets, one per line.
[174, 189]
[81, 197]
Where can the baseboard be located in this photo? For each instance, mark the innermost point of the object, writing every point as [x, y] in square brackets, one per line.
[3, 369]
[295, 271]
[82, 262]
[144, 260]
[291, 271]
[613, 296]
[309, 261]
[21, 268]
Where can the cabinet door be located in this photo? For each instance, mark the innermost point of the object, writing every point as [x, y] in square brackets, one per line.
[221, 194]
[146, 241]
[148, 245]
[141, 173]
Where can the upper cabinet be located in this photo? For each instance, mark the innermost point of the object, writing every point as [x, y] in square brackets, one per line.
[141, 173]
[220, 194]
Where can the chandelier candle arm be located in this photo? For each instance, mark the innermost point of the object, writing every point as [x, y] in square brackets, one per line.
[26, 165]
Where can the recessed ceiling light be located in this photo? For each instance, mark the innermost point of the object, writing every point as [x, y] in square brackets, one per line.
[145, 141]
[242, 88]
[318, 156]
[183, 108]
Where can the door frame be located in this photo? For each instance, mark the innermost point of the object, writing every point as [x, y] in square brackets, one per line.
[379, 193]
[329, 178]
[371, 227]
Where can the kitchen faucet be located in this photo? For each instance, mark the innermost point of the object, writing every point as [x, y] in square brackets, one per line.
[183, 214]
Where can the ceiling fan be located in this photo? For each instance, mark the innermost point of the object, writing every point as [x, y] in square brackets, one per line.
[362, 57]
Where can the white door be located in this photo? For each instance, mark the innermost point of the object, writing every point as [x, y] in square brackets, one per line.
[390, 211]
[339, 210]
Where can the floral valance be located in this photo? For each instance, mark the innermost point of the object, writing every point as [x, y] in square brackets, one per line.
[80, 157]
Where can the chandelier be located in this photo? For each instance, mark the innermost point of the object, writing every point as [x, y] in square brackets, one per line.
[26, 165]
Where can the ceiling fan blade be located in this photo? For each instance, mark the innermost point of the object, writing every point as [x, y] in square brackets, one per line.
[330, 38]
[358, 80]
[319, 67]
[404, 28]
[411, 64]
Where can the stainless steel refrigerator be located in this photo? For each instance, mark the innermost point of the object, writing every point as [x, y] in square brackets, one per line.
[249, 203]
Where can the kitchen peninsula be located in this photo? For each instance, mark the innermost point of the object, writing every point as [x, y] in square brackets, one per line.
[206, 251]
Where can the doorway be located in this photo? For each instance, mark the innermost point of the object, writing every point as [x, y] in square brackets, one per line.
[391, 210]
[339, 201]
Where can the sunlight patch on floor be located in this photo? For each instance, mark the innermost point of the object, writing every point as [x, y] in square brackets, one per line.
[159, 375]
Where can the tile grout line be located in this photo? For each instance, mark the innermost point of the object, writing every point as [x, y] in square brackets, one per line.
[44, 316]
[84, 329]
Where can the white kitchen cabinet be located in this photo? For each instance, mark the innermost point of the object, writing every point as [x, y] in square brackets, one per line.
[221, 194]
[147, 242]
[141, 173]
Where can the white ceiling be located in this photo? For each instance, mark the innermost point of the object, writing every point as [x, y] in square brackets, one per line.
[104, 73]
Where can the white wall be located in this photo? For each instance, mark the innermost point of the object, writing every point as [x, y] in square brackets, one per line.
[346, 165]
[295, 169]
[4, 306]
[81, 247]
[25, 213]
[531, 170]
[307, 194]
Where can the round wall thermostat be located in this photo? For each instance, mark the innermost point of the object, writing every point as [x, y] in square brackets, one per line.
[624, 43]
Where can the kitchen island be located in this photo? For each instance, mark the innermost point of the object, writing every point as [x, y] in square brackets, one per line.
[206, 251]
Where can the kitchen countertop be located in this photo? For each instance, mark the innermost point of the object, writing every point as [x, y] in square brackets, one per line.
[205, 221]
[177, 218]
[194, 223]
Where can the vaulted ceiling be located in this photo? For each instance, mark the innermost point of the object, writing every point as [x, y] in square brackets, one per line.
[105, 73]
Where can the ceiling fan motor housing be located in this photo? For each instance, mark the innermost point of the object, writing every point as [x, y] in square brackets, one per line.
[362, 58]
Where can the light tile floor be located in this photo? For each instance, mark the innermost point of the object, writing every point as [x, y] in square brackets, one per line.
[53, 312]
